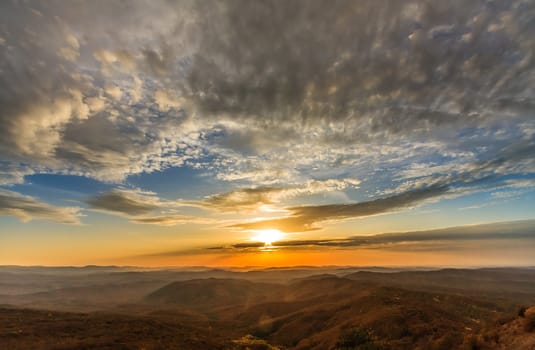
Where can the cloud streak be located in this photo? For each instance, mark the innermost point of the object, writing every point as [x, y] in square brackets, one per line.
[304, 218]
[517, 230]
[27, 208]
[245, 199]
[479, 176]
[140, 207]
[129, 202]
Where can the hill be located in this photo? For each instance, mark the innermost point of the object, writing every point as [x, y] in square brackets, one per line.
[333, 309]
[316, 312]
[32, 329]
[507, 283]
[508, 333]
[211, 294]
[313, 314]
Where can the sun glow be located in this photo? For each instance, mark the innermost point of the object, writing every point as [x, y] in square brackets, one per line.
[267, 236]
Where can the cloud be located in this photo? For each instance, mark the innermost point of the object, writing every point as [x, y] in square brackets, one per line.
[129, 202]
[266, 95]
[253, 198]
[304, 218]
[407, 79]
[166, 100]
[13, 173]
[466, 179]
[69, 103]
[407, 72]
[27, 208]
[36, 131]
[114, 91]
[498, 234]
[141, 207]
[515, 161]
[109, 59]
[516, 230]
[39, 97]
[170, 220]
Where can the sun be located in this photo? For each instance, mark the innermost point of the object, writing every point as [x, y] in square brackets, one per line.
[267, 236]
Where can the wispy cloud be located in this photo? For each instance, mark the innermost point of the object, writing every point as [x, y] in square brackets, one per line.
[516, 230]
[169, 220]
[475, 177]
[304, 218]
[252, 198]
[27, 208]
[140, 207]
[444, 239]
[129, 202]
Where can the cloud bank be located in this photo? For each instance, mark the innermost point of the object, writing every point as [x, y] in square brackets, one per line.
[416, 99]
[120, 89]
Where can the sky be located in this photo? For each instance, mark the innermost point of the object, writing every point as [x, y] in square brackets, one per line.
[267, 133]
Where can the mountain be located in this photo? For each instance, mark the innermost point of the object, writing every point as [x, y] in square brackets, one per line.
[332, 309]
[212, 293]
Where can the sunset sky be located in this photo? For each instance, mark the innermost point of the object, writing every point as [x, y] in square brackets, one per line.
[267, 133]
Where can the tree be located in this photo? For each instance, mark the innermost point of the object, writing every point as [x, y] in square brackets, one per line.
[355, 339]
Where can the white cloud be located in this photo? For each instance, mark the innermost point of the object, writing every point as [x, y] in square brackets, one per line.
[114, 91]
[38, 130]
[247, 199]
[167, 100]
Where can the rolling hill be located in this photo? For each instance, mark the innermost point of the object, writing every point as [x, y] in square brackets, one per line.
[333, 309]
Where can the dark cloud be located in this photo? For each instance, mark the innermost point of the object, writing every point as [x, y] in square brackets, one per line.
[141, 207]
[39, 95]
[124, 202]
[377, 206]
[396, 68]
[168, 220]
[245, 245]
[268, 94]
[27, 208]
